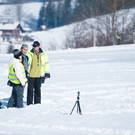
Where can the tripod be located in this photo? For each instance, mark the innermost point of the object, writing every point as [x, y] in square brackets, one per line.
[78, 105]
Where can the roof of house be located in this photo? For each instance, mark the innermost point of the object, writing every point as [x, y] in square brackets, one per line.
[8, 26]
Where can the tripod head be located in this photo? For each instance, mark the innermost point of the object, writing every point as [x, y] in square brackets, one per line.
[78, 95]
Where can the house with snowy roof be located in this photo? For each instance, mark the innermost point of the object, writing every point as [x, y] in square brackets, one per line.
[11, 32]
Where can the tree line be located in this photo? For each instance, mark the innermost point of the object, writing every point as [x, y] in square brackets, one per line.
[59, 13]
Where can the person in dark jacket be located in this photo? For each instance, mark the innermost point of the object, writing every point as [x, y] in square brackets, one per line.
[24, 49]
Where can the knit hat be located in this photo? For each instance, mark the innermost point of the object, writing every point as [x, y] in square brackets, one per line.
[17, 53]
[24, 46]
[35, 44]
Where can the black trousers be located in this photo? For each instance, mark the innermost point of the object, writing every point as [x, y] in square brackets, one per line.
[34, 91]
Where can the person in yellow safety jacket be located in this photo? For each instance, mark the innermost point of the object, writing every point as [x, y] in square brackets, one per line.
[38, 68]
[17, 79]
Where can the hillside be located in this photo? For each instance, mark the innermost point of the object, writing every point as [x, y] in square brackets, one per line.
[60, 38]
[57, 39]
[29, 15]
[64, 37]
[29, 12]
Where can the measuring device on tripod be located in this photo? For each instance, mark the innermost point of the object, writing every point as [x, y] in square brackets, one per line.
[77, 103]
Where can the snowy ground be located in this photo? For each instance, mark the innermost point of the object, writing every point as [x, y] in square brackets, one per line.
[105, 78]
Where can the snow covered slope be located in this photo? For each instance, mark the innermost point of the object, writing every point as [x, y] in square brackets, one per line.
[104, 76]
[29, 13]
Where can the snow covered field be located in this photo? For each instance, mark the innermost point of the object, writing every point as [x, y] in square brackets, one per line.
[104, 76]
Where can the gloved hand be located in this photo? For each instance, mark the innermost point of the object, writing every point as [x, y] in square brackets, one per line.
[42, 79]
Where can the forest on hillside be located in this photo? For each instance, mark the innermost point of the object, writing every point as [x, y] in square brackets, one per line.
[111, 25]
[54, 14]
[112, 22]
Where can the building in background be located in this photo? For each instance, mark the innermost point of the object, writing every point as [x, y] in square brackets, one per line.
[11, 31]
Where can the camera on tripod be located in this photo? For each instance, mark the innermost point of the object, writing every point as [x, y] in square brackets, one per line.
[78, 104]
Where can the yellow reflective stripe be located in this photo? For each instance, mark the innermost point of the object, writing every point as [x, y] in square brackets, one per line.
[12, 76]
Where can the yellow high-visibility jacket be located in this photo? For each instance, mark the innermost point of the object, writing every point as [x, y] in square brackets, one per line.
[13, 76]
[45, 72]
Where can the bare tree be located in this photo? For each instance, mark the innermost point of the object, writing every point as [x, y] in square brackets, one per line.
[10, 48]
[19, 12]
[132, 29]
[133, 23]
[81, 36]
[134, 37]
[113, 28]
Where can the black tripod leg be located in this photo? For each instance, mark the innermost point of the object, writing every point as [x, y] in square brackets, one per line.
[73, 108]
[80, 112]
[0, 105]
[77, 106]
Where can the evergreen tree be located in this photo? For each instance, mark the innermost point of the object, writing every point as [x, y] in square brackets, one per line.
[83, 10]
[47, 16]
[50, 15]
[42, 14]
[67, 12]
[60, 9]
[64, 14]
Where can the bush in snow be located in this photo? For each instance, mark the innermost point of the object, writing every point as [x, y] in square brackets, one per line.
[10, 48]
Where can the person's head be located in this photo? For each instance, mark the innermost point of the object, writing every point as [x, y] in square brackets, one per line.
[36, 46]
[17, 54]
[24, 48]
